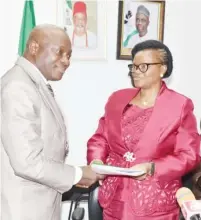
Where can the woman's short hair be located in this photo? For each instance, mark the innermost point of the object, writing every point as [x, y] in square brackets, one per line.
[166, 55]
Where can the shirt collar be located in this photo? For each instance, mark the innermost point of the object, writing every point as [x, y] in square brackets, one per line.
[36, 70]
[45, 80]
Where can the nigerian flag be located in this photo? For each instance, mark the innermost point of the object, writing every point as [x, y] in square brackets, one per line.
[69, 3]
[28, 23]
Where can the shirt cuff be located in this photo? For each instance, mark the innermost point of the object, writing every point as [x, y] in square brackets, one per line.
[78, 174]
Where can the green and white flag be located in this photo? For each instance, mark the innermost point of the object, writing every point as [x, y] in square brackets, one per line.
[69, 4]
[68, 13]
[28, 23]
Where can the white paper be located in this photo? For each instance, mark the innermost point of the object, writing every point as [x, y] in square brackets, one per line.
[111, 170]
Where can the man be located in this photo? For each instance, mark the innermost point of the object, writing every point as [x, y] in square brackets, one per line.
[34, 143]
[80, 36]
[141, 33]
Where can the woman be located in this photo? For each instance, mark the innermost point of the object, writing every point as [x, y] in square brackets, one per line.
[148, 127]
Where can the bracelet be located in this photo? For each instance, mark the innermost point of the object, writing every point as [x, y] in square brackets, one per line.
[152, 170]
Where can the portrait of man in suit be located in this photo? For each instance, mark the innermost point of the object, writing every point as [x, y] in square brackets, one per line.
[142, 20]
[139, 21]
[140, 29]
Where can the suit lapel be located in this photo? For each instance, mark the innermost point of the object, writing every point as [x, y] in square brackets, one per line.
[156, 124]
[51, 102]
[117, 106]
[34, 74]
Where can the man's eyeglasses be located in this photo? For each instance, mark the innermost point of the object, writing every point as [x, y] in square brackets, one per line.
[143, 67]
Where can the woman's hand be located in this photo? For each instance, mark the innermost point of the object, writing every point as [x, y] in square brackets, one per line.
[146, 167]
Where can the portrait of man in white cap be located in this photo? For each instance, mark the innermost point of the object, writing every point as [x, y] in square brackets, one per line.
[81, 37]
[141, 32]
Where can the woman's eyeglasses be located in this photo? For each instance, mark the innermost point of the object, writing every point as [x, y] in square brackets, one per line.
[143, 67]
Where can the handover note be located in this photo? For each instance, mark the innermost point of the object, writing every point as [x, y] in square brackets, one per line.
[111, 170]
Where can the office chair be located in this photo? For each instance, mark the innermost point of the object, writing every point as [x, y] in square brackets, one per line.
[94, 210]
[78, 213]
[76, 195]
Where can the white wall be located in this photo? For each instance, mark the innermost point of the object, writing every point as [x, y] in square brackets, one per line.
[86, 86]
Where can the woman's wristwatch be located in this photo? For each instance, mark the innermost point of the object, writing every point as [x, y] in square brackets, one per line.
[152, 169]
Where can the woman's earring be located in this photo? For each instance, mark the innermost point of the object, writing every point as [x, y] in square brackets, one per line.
[161, 75]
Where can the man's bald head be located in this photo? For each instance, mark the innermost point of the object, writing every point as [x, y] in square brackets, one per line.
[49, 48]
[46, 33]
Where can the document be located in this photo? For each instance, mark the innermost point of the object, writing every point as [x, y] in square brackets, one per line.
[112, 170]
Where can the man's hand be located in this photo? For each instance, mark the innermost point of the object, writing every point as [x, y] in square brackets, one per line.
[89, 177]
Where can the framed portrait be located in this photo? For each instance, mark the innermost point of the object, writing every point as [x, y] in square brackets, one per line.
[139, 20]
[85, 23]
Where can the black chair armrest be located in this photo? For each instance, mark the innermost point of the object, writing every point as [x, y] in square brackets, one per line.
[74, 196]
[94, 209]
[74, 193]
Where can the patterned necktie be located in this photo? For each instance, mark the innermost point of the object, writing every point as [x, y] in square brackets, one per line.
[50, 89]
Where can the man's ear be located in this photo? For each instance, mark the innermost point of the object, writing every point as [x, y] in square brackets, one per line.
[33, 47]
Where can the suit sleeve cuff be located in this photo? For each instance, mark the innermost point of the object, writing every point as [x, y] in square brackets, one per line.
[78, 175]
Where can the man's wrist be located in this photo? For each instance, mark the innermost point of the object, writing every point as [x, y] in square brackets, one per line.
[78, 175]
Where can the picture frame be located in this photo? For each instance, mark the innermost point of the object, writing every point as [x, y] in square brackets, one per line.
[85, 22]
[138, 20]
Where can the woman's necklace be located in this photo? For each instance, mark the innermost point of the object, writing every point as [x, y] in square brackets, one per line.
[147, 102]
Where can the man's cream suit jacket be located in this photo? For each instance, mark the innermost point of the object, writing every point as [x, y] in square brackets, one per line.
[33, 147]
